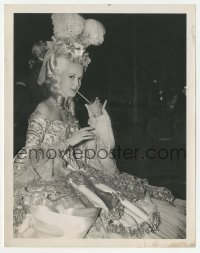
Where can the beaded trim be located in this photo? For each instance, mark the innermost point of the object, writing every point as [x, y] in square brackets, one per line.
[151, 225]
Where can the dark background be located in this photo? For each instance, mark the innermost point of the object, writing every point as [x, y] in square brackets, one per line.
[140, 68]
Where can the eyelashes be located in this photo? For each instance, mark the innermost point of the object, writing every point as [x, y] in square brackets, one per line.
[73, 77]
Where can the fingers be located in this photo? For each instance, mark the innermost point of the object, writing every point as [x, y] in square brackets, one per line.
[104, 111]
[104, 104]
[87, 133]
[86, 129]
[89, 111]
[88, 138]
[97, 100]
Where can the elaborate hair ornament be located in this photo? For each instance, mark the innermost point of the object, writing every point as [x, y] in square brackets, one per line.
[77, 29]
[72, 35]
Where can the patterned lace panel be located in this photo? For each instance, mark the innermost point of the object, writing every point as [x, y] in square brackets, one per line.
[57, 131]
[160, 193]
[53, 130]
[110, 226]
[132, 189]
[128, 186]
[37, 192]
[41, 130]
[37, 126]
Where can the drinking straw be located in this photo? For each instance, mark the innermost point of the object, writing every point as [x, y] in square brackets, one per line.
[84, 97]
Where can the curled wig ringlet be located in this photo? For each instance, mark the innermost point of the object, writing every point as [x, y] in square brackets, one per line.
[53, 83]
[52, 76]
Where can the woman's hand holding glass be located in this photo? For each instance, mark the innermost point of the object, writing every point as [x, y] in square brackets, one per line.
[102, 125]
[93, 118]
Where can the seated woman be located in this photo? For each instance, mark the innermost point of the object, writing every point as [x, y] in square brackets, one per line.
[61, 187]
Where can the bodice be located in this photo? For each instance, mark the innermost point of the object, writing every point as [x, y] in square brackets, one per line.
[58, 130]
[44, 130]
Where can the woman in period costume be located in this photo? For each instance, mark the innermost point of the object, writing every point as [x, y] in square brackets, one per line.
[62, 188]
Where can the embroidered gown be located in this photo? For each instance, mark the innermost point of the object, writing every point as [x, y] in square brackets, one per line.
[70, 197]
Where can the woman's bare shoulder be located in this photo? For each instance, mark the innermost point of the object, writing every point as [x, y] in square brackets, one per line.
[45, 108]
